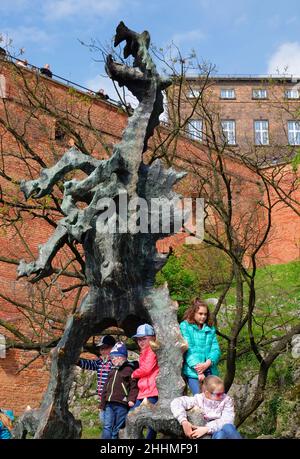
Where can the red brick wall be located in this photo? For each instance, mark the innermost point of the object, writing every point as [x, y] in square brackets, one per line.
[25, 388]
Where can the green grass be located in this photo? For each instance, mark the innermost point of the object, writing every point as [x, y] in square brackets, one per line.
[283, 280]
[91, 432]
[87, 430]
[276, 309]
[277, 299]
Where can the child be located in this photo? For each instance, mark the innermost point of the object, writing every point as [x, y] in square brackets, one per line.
[147, 371]
[102, 365]
[6, 418]
[203, 353]
[119, 392]
[217, 408]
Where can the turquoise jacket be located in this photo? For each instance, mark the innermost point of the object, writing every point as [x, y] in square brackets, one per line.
[203, 345]
[5, 434]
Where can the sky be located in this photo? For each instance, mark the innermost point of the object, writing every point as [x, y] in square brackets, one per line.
[237, 36]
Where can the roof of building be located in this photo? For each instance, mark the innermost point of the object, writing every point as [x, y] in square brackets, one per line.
[289, 78]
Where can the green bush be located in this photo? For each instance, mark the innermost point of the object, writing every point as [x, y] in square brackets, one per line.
[192, 271]
[182, 281]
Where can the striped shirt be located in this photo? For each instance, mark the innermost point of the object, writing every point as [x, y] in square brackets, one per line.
[4, 432]
[102, 367]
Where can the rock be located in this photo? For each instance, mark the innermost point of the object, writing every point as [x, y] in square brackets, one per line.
[287, 422]
[296, 376]
[265, 437]
[76, 410]
[295, 343]
[212, 301]
[242, 393]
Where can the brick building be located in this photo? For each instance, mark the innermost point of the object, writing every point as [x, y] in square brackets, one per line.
[40, 118]
[254, 112]
[255, 121]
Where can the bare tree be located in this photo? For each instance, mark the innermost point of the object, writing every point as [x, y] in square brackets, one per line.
[242, 187]
[39, 119]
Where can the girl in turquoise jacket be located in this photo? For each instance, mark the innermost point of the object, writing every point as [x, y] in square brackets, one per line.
[203, 353]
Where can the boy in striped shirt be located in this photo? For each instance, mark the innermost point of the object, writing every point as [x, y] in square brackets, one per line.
[102, 365]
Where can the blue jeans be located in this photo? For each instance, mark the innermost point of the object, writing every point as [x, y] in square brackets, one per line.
[114, 419]
[151, 434]
[194, 384]
[228, 431]
[101, 416]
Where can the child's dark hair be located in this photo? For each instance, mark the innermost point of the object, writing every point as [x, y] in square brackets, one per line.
[189, 314]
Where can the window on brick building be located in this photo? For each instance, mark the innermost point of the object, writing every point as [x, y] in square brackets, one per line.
[294, 132]
[228, 128]
[2, 346]
[227, 94]
[2, 86]
[292, 94]
[261, 132]
[193, 93]
[194, 128]
[259, 94]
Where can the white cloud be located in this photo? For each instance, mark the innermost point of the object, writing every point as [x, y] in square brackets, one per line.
[191, 36]
[62, 9]
[286, 59]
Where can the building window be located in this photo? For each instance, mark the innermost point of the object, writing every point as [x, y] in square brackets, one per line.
[259, 93]
[294, 132]
[2, 347]
[2, 87]
[261, 132]
[193, 93]
[228, 128]
[195, 129]
[227, 94]
[292, 94]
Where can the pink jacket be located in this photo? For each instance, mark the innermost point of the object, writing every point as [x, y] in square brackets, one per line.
[147, 374]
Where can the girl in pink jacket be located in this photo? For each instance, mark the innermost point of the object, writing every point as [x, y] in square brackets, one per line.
[147, 371]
